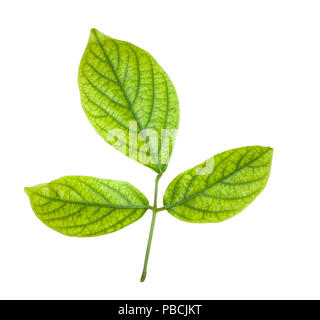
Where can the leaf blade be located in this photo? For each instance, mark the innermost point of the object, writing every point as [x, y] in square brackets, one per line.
[81, 206]
[238, 176]
[120, 83]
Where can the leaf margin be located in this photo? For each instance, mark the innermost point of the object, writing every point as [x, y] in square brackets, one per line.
[159, 167]
[136, 214]
[169, 206]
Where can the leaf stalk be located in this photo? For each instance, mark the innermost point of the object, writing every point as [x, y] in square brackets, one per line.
[154, 214]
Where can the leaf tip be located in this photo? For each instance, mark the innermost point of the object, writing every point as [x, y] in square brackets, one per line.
[93, 34]
[27, 190]
[266, 149]
[93, 30]
[270, 149]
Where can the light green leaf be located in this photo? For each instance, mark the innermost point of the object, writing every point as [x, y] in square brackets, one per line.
[124, 90]
[220, 187]
[81, 206]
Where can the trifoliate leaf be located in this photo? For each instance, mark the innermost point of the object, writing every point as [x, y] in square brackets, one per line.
[81, 206]
[129, 100]
[220, 187]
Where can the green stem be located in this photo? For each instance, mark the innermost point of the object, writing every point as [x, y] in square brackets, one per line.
[154, 213]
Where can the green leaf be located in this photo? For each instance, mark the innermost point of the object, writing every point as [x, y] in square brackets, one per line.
[220, 187]
[125, 93]
[81, 206]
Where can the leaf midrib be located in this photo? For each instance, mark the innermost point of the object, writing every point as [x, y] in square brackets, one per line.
[92, 204]
[127, 98]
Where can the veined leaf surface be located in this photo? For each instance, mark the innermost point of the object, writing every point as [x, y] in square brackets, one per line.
[84, 206]
[237, 176]
[122, 85]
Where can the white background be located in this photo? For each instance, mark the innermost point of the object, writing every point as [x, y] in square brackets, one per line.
[246, 72]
